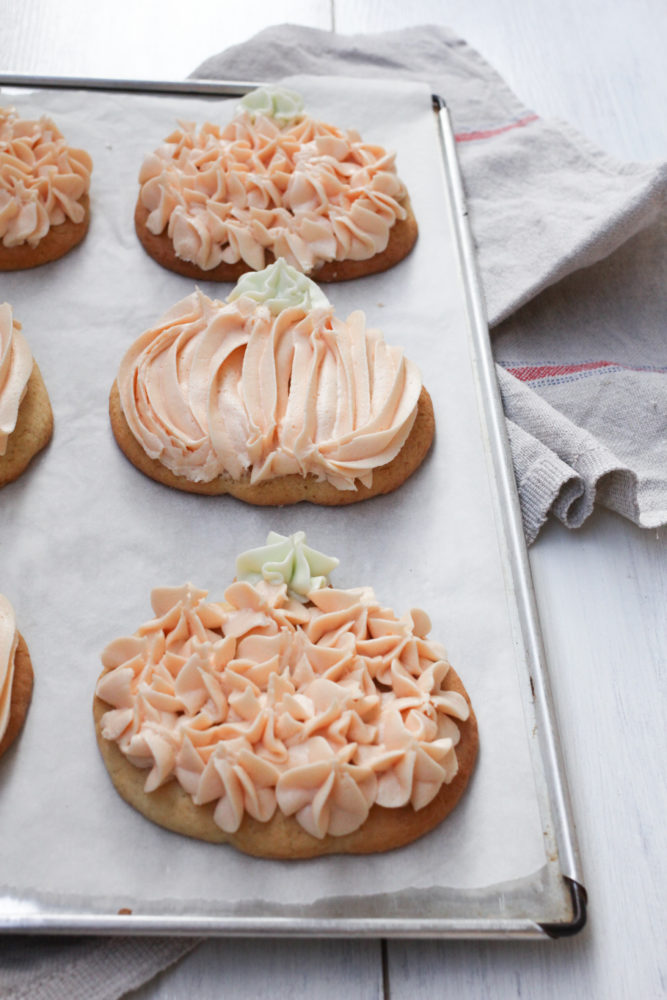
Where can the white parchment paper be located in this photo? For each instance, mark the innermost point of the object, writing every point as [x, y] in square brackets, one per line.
[84, 537]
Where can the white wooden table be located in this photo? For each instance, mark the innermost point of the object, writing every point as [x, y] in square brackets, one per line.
[602, 591]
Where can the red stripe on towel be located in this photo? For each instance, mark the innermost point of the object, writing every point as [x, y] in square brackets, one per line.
[530, 373]
[489, 133]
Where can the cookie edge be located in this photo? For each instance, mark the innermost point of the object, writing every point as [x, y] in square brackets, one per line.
[58, 241]
[282, 838]
[284, 490]
[33, 431]
[22, 686]
[402, 238]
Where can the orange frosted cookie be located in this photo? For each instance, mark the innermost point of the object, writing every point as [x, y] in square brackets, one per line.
[26, 419]
[44, 184]
[16, 677]
[270, 397]
[290, 719]
[217, 201]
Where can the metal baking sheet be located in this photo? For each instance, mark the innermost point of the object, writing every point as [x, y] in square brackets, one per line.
[454, 530]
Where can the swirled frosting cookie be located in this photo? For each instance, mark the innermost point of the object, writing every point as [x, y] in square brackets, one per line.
[217, 201]
[44, 183]
[16, 677]
[290, 719]
[26, 419]
[270, 397]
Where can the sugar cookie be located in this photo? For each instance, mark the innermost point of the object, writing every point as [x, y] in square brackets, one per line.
[217, 201]
[290, 719]
[44, 184]
[270, 397]
[26, 418]
[16, 677]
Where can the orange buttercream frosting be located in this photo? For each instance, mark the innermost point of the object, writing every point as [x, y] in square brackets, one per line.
[238, 388]
[42, 179]
[304, 190]
[319, 707]
[16, 364]
[8, 644]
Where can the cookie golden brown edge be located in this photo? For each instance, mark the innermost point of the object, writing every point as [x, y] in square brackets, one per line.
[58, 241]
[402, 238]
[33, 431]
[21, 694]
[284, 489]
[282, 838]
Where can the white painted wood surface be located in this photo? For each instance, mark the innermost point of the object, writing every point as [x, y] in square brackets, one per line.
[136, 39]
[602, 592]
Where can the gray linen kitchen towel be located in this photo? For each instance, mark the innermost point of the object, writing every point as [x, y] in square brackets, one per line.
[582, 367]
[83, 968]
[571, 249]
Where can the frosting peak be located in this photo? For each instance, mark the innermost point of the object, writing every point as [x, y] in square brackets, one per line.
[279, 287]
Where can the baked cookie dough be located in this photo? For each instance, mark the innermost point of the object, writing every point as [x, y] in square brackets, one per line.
[26, 418]
[271, 398]
[290, 719]
[44, 184]
[16, 677]
[216, 201]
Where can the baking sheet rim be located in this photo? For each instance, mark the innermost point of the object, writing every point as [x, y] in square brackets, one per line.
[550, 775]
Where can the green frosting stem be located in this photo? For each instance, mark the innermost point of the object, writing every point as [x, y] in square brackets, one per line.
[283, 105]
[287, 559]
[279, 286]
